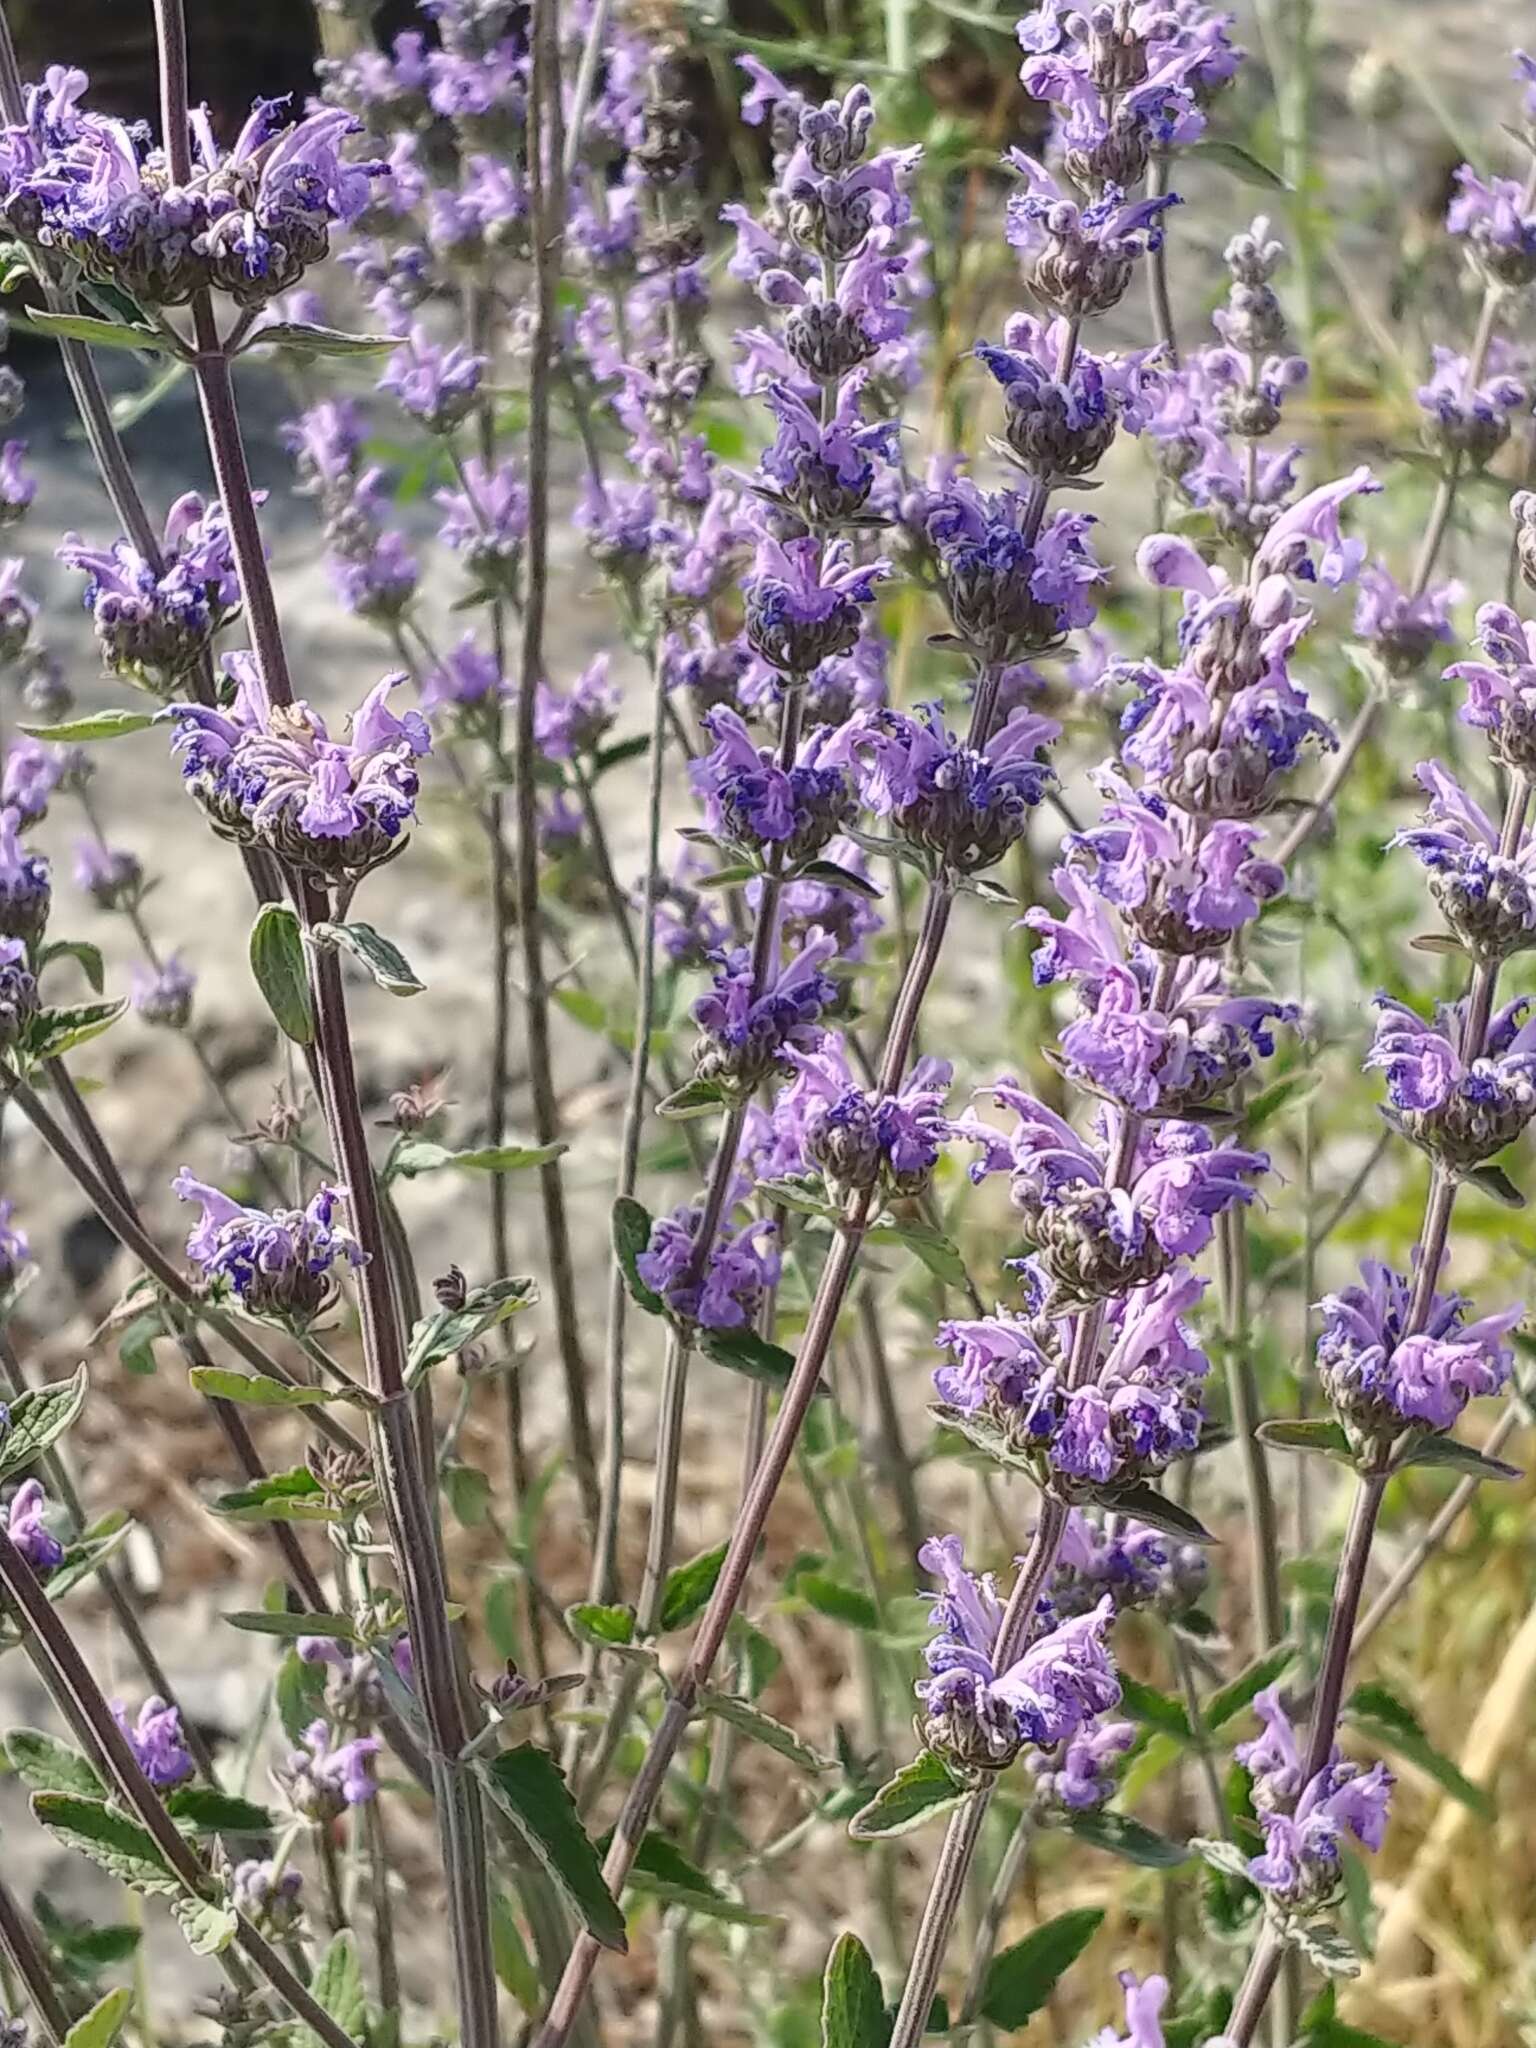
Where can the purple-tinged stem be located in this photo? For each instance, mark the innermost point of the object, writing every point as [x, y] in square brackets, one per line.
[60, 1663]
[1157, 269]
[1349, 1584]
[546, 201]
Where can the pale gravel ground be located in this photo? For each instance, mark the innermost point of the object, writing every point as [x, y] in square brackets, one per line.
[432, 904]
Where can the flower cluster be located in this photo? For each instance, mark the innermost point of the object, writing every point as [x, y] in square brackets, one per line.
[323, 1777]
[162, 993]
[979, 1717]
[1461, 1108]
[719, 1290]
[81, 187]
[1501, 691]
[280, 1265]
[15, 1250]
[18, 992]
[155, 621]
[25, 889]
[751, 1025]
[372, 569]
[754, 804]
[1133, 1565]
[274, 776]
[1487, 896]
[27, 1523]
[1305, 1821]
[1385, 1370]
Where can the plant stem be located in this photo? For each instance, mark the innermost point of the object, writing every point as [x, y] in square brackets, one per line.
[20, 1944]
[546, 202]
[1243, 1393]
[60, 1662]
[896, 1457]
[993, 1913]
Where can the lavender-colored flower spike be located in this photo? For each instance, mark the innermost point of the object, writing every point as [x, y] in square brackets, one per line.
[18, 992]
[323, 1777]
[280, 1265]
[27, 1525]
[163, 994]
[25, 890]
[1300, 1870]
[156, 1740]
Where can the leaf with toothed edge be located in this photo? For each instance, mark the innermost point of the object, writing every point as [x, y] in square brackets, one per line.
[278, 965]
[631, 1234]
[1157, 1511]
[119, 1845]
[1448, 1454]
[760, 1727]
[919, 1792]
[530, 1789]
[104, 2022]
[1324, 1439]
[1122, 1835]
[38, 1418]
[1020, 1979]
[380, 956]
[853, 2009]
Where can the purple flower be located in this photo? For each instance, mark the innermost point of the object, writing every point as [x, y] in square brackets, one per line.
[32, 774]
[15, 1250]
[1304, 1825]
[266, 1896]
[861, 1139]
[1144, 2002]
[1501, 691]
[157, 1742]
[280, 1265]
[1082, 256]
[1464, 418]
[1489, 214]
[1183, 889]
[747, 1033]
[25, 890]
[825, 473]
[1062, 428]
[279, 778]
[1079, 1775]
[1009, 595]
[1142, 1410]
[979, 1717]
[1488, 898]
[1378, 1377]
[163, 994]
[154, 626]
[18, 486]
[690, 925]
[28, 1530]
[962, 805]
[18, 992]
[743, 1263]
[110, 875]
[803, 602]
[1462, 1111]
[1133, 1565]
[438, 386]
[573, 723]
[1403, 630]
[754, 804]
[486, 521]
[467, 675]
[323, 1777]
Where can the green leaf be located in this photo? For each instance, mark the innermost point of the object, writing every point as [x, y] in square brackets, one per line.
[252, 1390]
[853, 2012]
[761, 1727]
[468, 1492]
[54, 1032]
[1230, 1701]
[1223, 1856]
[1153, 1709]
[834, 877]
[838, 1602]
[295, 1496]
[119, 1845]
[136, 1345]
[277, 962]
[804, 1195]
[631, 1234]
[1324, 1948]
[509, 1953]
[665, 1873]
[298, 1693]
[104, 2022]
[1446, 1453]
[688, 1588]
[1325, 1439]
[44, 1764]
[208, 1811]
[445, 1334]
[208, 1925]
[86, 957]
[1493, 1180]
[100, 725]
[258, 1621]
[935, 1250]
[745, 1352]
[38, 1418]
[531, 1791]
[694, 1098]
[1380, 1714]
[338, 1987]
[1120, 1834]
[919, 1792]
[1232, 157]
[382, 957]
[99, 333]
[420, 1155]
[1020, 1980]
[1158, 1512]
[1438, 942]
[320, 341]
[591, 1622]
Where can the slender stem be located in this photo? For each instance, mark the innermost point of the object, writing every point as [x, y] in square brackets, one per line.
[1242, 1388]
[546, 201]
[53, 1649]
[897, 1459]
[20, 1944]
[1157, 269]
[1184, 1671]
[993, 1913]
